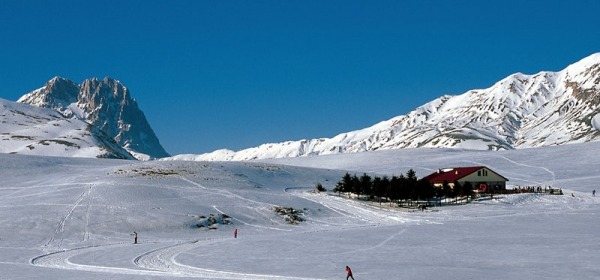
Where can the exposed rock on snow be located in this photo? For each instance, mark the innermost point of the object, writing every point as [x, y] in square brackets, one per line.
[212, 221]
[290, 215]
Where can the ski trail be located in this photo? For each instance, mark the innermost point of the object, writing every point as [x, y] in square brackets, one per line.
[328, 206]
[164, 260]
[258, 204]
[387, 240]
[248, 224]
[61, 260]
[355, 210]
[377, 246]
[30, 189]
[527, 165]
[225, 193]
[61, 224]
[156, 262]
[31, 193]
[86, 232]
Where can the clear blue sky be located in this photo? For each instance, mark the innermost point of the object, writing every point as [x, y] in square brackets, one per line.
[236, 74]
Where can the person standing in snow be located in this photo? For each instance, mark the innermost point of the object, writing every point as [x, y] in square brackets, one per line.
[349, 273]
[134, 237]
[235, 233]
[594, 193]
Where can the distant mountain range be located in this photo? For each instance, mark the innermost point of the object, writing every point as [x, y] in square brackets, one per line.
[519, 111]
[98, 116]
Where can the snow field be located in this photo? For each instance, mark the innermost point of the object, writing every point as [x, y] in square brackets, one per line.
[64, 218]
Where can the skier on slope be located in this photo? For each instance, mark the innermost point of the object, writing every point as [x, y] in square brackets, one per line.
[594, 193]
[349, 273]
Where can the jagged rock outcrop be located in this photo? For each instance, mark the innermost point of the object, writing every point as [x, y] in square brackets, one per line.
[105, 104]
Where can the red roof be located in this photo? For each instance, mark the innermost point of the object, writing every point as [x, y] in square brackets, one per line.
[451, 174]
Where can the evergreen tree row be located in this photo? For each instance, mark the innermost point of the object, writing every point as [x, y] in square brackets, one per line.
[398, 188]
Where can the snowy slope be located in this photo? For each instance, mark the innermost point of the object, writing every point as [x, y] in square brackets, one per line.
[69, 218]
[31, 130]
[107, 105]
[520, 111]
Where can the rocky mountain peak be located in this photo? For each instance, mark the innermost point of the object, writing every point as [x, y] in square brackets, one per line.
[105, 104]
[95, 93]
[57, 93]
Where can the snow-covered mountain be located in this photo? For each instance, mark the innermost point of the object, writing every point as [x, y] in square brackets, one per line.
[30, 130]
[106, 105]
[519, 111]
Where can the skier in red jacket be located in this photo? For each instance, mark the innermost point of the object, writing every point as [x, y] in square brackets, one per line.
[349, 273]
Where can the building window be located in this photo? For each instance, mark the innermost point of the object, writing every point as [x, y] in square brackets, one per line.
[479, 173]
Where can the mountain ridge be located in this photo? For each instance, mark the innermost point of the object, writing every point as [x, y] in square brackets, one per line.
[518, 111]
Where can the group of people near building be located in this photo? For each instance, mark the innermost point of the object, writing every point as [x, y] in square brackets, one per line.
[540, 189]
[536, 189]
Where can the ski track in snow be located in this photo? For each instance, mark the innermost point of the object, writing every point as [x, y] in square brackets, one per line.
[31, 193]
[351, 210]
[248, 224]
[164, 260]
[381, 244]
[61, 260]
[258, 204]
[524, 165]
[61, 224]
[530, 166]
[225, 193]
[86, 232]
[157, 262]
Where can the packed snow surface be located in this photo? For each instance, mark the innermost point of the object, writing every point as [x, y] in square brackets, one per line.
[70, 218]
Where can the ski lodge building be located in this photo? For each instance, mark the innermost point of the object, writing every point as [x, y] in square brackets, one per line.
[481, 178]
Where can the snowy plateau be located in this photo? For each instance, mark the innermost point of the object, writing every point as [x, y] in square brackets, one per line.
[519, 111]
[73, 218]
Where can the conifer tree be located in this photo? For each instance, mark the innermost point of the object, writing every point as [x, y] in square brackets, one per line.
[393, 192]
[379, 187]
[467, 189]
[365, 184]
[346, 183]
